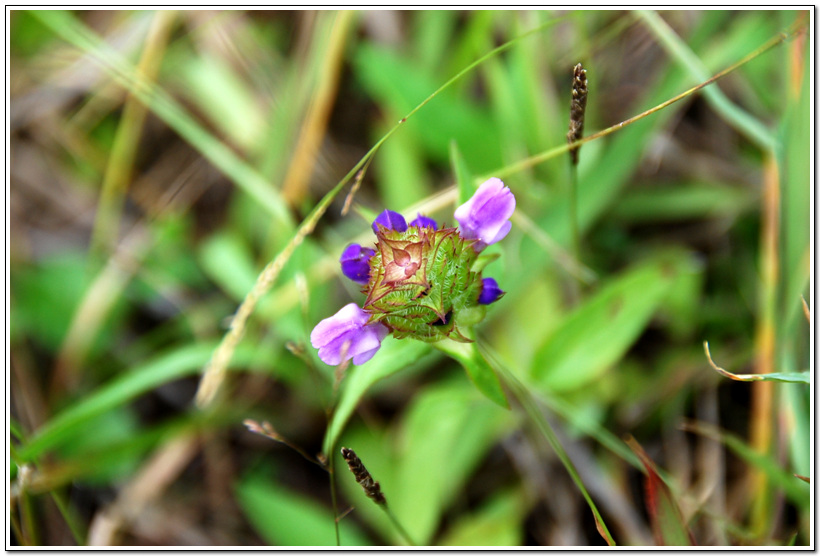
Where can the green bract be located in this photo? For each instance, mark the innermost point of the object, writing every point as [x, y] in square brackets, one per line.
[422, 284]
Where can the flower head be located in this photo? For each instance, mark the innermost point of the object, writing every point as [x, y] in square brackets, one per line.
[347, 335]
[421, 281]
[356, 263]
[485, 217]
[391, 221]
[490, 292]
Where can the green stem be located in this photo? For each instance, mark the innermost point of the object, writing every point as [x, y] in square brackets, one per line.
[398, 526]
[333, 499]
[15, 526]
[62, 505]
[528, 403]
[573, 211]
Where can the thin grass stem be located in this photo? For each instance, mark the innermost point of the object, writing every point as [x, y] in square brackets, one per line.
[77, 531]
[397, 524]
[14, 520]
[559, 150]
[528, 403]
[124, 147]
[573, 208]
[742, 121]
[333, 496]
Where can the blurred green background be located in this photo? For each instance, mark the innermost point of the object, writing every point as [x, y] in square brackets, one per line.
[159, 160]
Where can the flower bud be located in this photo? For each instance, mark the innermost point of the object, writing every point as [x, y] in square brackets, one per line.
[490, 292]
[391, 221]
[356, 263]
[422, 221]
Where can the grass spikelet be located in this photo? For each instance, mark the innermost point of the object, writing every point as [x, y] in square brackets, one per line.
[578, 107]
[363, 477]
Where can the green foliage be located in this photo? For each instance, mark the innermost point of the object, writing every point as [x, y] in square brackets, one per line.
[106, 345]
[611, 321]
[286, 518]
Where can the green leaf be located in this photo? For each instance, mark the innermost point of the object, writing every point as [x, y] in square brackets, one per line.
[393, 356]
[795, 490]
[478, 369]
[682, 201]
[496, 523]
[598, 333]
[228, 261]
[169, 366]
[443, 437]
[46, 297]
[284, 517]
[794, 157]
[227, 100]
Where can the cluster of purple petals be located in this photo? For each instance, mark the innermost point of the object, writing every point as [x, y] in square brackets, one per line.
[347, 334]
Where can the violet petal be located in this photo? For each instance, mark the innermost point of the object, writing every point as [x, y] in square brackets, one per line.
[485, 216]
[424, 222]
[390, 220]
[346, 335]
[490, 292]
[356, 263]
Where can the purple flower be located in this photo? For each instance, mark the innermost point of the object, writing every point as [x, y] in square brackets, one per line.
[490, 292]
[356, 263]
[390, 220]
[424, 222]
[347, 335]
[486, 216]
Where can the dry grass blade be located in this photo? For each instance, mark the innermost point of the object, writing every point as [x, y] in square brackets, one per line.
[145, 488]
[303, 161]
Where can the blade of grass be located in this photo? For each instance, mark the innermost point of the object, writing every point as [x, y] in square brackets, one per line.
[69, 28]
[794, 489]
[169, 366]
[523, 396]
[294, 186]
[803, 377]
[762, 410]
[668, 525]
[123, 150]
[741, 120]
